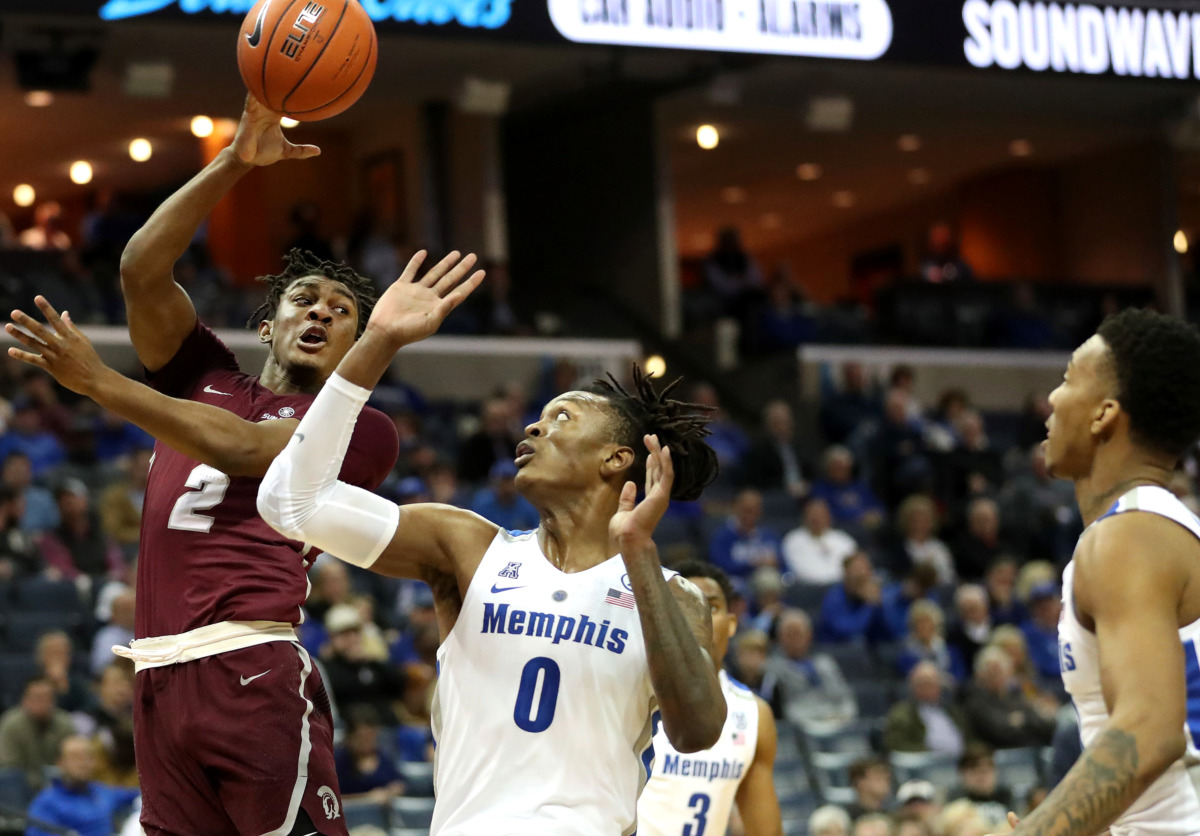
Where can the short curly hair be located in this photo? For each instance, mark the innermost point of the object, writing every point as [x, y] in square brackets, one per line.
[678, 425]
[299, 263]
[1156, 361]
[694, 567]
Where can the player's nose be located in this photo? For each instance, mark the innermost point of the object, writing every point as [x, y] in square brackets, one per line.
[320, 313]
[534, 430]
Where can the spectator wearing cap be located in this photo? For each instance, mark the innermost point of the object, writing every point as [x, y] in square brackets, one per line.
[355, 680]
[500, 503]
[926, 721]
[40, 511]
[998, 713]
[850, 610]
[742, 545]
[917, 800]
[851, 501]
[25, 435]
[816, 550]
[1041, 629]
[815, 693]
[979, 784]
[32, 731]
[78, 546]
[75, 802]
[118, 631]
[871, 780]
[364, 771]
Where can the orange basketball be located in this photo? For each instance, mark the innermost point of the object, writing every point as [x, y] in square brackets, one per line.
[309, 59]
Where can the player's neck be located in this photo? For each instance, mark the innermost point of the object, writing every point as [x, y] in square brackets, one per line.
[574, 531]
[290, 381]
[1112, 476]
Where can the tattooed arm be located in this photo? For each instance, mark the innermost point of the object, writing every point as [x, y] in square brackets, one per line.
[1130, 574]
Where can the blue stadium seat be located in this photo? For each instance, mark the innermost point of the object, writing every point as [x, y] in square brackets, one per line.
[359, 813]
[805, 596]
[832, 769]
[15, 670]
[14, 790]
[875, 698]
[25, 628]
[939, 768]
[45, 595]
[795, 827]
[418, 778]
[412, 812]
[853, 737]
[854, 660]
[1019, 767]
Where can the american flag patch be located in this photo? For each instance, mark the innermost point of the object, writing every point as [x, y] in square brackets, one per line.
[739, 738]
[621, 599]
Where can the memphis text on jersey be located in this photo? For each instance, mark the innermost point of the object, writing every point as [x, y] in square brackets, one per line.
[715, 770]
[553, 628]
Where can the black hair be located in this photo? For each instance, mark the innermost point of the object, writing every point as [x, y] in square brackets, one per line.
[694, 567]
[299, 263]
[860, 768]
[1156, 359]
[678, 425]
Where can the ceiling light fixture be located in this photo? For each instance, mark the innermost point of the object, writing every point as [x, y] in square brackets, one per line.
[708, 137]
[202, 126]
[81, 172]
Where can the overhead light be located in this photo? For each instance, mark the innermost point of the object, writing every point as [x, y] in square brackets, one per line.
[655, 366]
[202, 126]
[918, 176]
[1181, 242]
[707, 137]
[149, 79]
[81, 172]
[140, 150]
[809, 172]
[733, 194]
[39, 98]
[909, 143]
[844, 199]
[1020, 147]
[288, 122]
[833, 114]
[771, 220]
[24, 195]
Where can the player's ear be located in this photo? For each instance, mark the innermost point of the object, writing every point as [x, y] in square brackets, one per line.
[1106, 417]
[264, 330]
[617, 461]
[733, 625]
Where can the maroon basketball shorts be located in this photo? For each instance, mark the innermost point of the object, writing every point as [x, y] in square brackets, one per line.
[236, 743]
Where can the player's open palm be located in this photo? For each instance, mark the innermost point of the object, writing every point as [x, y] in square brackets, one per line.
[57, 346]
[636, 521]
[411, 309]
[260, 141]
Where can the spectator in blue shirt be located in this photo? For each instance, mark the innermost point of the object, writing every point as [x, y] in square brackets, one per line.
[74, 801]
[851, 610]
[364, 770]
[742, 545]
[1041, 629]
[25, 435]
[851, 501]
[500, 503]
[728, 440]
[41, 511]
[926, 642]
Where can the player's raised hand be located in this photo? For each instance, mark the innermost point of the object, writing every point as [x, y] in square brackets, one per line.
[411, 309]
[260, 141]
[57, 346]
[637, 520]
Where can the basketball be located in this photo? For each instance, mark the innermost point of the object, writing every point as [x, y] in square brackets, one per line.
[308, 59]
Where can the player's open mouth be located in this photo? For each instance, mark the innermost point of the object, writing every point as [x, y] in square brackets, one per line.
[524, 454]
[314, 338]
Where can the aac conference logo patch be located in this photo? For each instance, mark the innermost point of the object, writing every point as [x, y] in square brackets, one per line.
[859, 30]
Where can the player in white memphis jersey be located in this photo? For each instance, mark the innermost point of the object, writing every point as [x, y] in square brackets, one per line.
[1127, 410]
[694, 795]
[558, 645]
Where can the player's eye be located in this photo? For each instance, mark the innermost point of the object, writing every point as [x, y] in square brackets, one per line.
[561, 414]
[301, 300]
[343, 310]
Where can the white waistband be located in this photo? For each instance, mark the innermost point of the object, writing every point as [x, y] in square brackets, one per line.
[157, 651]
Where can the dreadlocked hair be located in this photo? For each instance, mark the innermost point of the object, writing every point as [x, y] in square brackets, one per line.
[299, 263]
[678, 425]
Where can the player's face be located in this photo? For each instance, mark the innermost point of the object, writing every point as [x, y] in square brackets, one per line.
[723, 621]
[1077, 405]
[315, 324]
[568, 447]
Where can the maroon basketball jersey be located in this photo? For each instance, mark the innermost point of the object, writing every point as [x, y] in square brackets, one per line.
[206, 555]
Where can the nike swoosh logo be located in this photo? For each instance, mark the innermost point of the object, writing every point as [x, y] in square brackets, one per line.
[299, 438]
[213, 391]
[246, 680]
[496, 588]
[254, 37]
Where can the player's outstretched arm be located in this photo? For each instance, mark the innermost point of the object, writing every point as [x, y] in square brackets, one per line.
[300, 495]
[160, 313]
[1128, 579]
[206, 433]
[756, 799]
[676, 622]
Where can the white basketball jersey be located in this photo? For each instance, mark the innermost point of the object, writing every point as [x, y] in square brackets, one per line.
[542, 712]
[693, 795]
[1171, 805]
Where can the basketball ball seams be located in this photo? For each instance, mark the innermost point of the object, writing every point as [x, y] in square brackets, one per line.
[269, 51]
[312, 64]
[353, 85]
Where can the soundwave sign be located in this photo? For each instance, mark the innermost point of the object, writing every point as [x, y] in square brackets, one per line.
[857, 30]
[1082, 38]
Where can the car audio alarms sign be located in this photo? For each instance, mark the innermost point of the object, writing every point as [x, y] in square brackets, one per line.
[859, 30]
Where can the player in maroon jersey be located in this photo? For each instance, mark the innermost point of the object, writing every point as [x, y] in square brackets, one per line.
[233, 729]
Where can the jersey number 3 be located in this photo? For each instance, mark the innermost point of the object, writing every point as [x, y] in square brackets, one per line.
[208, 487]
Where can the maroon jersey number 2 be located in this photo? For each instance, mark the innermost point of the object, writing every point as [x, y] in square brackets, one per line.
[208, 486]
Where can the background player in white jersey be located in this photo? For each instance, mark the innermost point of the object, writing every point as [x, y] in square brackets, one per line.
[694, 795]
[1127, 410]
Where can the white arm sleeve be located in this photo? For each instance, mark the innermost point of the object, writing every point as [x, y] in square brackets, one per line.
[301, 497]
